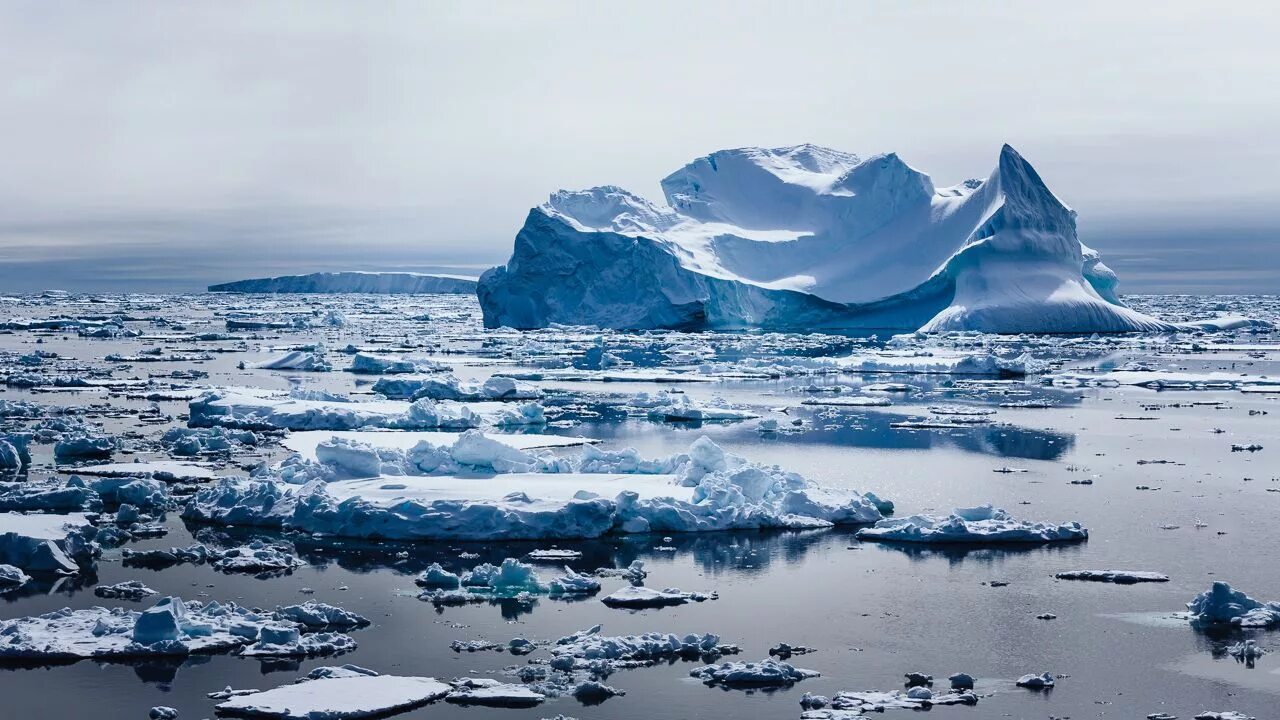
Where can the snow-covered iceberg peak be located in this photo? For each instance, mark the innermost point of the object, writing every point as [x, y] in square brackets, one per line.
[806, 236]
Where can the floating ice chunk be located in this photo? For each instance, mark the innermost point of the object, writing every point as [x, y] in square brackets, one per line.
[338, 698]
[127, 590]
[573, 583]
[314, 615]
[256, 557]
[1036, 682]
[510, 578]
[1225, 715]
[679, 408]
[491, 693]
[367, 364]
[961, 681]
[589, 650]
[1222, 604]
[849, 401]
[162, 712]
[166, 470]
[436, 576]
[285, 640]
[253, 411]
[1120, 577]
[553, 555]
[848, 705]
[49, 495]
[592, 692]
[983, 524]
[302, 360]
[46, 543]
[80, 446]
[766, 673]
[939, 362]
[12, 577]
[632, 597]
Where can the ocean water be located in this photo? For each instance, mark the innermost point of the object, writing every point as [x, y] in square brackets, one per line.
[872, 612]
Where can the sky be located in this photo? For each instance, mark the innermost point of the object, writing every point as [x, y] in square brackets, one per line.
[165, 146]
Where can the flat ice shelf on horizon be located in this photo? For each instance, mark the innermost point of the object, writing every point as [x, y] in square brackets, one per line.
[809, 237]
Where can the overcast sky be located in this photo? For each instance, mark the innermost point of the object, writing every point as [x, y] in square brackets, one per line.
[163, 145]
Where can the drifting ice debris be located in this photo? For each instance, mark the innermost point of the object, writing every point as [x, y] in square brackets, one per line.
[766, 673]
[286, 640]
[1226, 715]
[337, 696]
[367, 364]
[983, 524]
[573, 583]
[127, 590]
[1036, 682]
[1120, 577]
[593, 692]
[260, 411]
[162, 712]
[1222, 604]
[868, 243]
[632, 597]
[961, 681]
[436, 576]
[374, 283]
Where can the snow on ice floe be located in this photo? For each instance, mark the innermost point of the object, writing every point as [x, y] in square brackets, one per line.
[251, 409]
[298, 360]
[167, 470]
[305, 442]
[375, 283]
[1222, 604]
[1120, 577]
[983, 524]
[601, 654]
[449, 387]
[337, 696]
[171, 627]
[637, 598]
[594, 494]
[1166, 380]
[803, 237]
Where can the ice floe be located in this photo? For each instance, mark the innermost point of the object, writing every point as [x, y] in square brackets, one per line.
[982, 524]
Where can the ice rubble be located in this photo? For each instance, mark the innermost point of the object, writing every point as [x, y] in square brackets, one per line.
[766, 673]
[602, 654]
[982, 524]
[848, 705]
[1120, 577]
[449, 387]
[170, 627]
[531, 496]
[803, 237]
[376, 283]
[1223, 604]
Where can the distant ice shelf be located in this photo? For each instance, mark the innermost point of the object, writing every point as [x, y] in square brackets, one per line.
[376, 283]
[809, 237]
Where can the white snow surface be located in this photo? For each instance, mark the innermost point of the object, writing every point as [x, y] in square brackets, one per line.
[338, 698]
[305, 442]
[805, 236]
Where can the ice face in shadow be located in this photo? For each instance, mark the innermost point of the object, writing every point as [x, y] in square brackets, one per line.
[806, 236]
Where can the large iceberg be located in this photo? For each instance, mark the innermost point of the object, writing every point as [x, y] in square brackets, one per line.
[805, 237]
[379, 283]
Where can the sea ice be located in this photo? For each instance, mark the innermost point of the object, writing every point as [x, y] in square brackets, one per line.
[1222, 604]
[766, 673]
[1120, 577]
[343, 697]
[632, 597]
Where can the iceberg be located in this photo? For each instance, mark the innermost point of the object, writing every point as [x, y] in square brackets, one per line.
[807, 237]
[374, 283]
